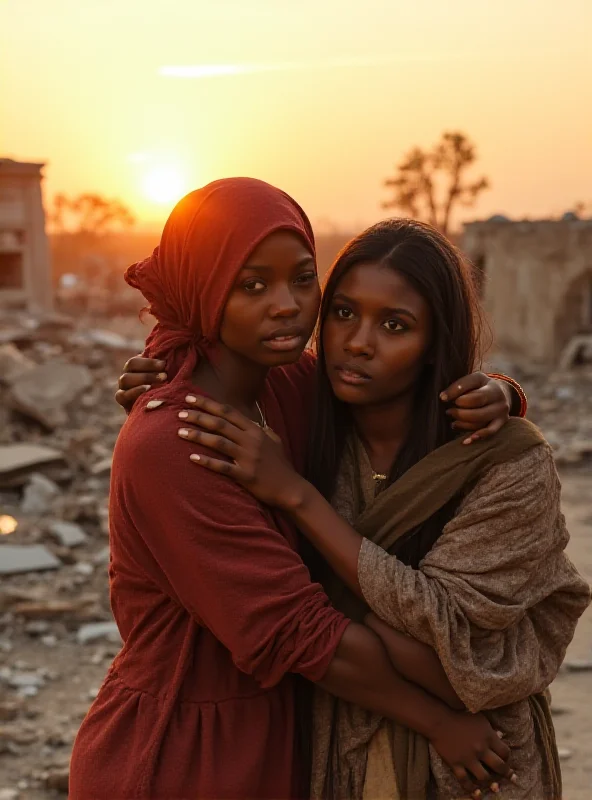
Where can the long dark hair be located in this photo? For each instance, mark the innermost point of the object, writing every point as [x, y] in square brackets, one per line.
[438, 271]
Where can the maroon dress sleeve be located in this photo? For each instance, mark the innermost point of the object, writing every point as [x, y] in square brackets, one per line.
[213, 548]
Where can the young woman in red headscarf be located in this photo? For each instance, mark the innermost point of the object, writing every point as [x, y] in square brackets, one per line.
[216, 609]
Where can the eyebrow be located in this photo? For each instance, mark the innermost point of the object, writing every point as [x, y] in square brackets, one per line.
[303, 261]
[402, 312]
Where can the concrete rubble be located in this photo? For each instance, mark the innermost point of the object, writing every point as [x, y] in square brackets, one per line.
[45, 392]
[559, 403]
[58, 426]
[17, 461]
[26, 558]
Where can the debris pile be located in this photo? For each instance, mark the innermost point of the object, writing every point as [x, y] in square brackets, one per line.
[559, 403]
[58, 426]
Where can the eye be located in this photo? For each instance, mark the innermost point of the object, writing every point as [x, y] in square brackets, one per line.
[306, 278]
[343, 312]
[394, 326]
[254, 285]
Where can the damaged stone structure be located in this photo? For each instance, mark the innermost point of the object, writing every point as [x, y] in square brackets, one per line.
[537, 285]
[25, 264]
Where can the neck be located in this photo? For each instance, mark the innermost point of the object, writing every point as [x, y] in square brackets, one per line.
[383, 429]
[231, 378]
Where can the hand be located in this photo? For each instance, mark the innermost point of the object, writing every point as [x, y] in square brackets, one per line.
[481, 404]
[258, 461]
[138, 375]
[470, 746]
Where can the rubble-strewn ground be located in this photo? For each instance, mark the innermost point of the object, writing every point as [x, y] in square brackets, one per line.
[56, 635]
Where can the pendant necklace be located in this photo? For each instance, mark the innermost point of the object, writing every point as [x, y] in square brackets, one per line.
[379, 476]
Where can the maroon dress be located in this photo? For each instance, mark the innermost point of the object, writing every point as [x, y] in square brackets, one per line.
[216, 610]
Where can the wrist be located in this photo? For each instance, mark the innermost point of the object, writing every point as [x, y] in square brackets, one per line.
[508, 392]
[514, 393]
[295, 495]
[437, 720]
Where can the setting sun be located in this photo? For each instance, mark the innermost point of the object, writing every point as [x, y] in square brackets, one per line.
[163, 184]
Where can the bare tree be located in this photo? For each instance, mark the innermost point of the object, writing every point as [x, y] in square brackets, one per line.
[580, 209]
[89, 214]
[430, 184]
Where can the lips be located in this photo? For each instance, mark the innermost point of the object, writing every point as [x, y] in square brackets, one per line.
[353, 375]
[285, 339]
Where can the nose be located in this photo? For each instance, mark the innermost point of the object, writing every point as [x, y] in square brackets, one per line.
[284, 303]
[360, 342]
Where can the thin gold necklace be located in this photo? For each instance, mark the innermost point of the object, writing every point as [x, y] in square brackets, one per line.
[379, 476]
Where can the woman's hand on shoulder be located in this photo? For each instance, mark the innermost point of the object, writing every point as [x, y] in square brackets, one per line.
[139, 374]
[479, 403]
[254, 456]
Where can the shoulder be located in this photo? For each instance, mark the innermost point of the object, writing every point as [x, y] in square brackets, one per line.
[150, 457]
[513, 511]
[535, 465]
[524, 482]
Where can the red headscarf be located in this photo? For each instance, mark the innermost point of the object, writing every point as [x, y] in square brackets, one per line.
[206, 240]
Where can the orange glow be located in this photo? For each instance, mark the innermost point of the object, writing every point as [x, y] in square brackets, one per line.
[321, 99]
[164, 184]
[7, 525]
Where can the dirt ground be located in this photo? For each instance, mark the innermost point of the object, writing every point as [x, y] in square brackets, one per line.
[35, 740]
[572, 691]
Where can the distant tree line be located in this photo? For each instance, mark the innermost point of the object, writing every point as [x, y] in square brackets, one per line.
[89, 214]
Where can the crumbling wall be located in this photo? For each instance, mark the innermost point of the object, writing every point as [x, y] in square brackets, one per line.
[537, 283]
[25, 267]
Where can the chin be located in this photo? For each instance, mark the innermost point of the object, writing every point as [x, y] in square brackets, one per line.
[270, 359]
[352, 395]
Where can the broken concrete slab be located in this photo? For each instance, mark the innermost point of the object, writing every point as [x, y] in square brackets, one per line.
[103, 556]
[12, 333]
[83, 608]
[22, 680]
[15, 558]
[44, 393]
[98, 630]
[579, 665]
[18, 461]
[39, 495]
[84, 568]
[13, 363]
[105, 338]
[68, 534]
[58, 780]
[102, 467]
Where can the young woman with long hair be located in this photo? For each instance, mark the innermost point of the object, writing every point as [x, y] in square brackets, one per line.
[460, 549]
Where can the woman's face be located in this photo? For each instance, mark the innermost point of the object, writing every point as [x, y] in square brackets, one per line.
[272, 309]
[376, 336]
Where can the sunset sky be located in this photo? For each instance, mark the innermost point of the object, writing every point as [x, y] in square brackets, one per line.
[146, 99]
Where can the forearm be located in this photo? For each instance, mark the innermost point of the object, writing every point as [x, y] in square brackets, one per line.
[415, 661]
[331, 535]
[361, 673]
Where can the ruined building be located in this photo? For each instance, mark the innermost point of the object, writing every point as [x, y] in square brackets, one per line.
[537, 283]
[25, 266]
